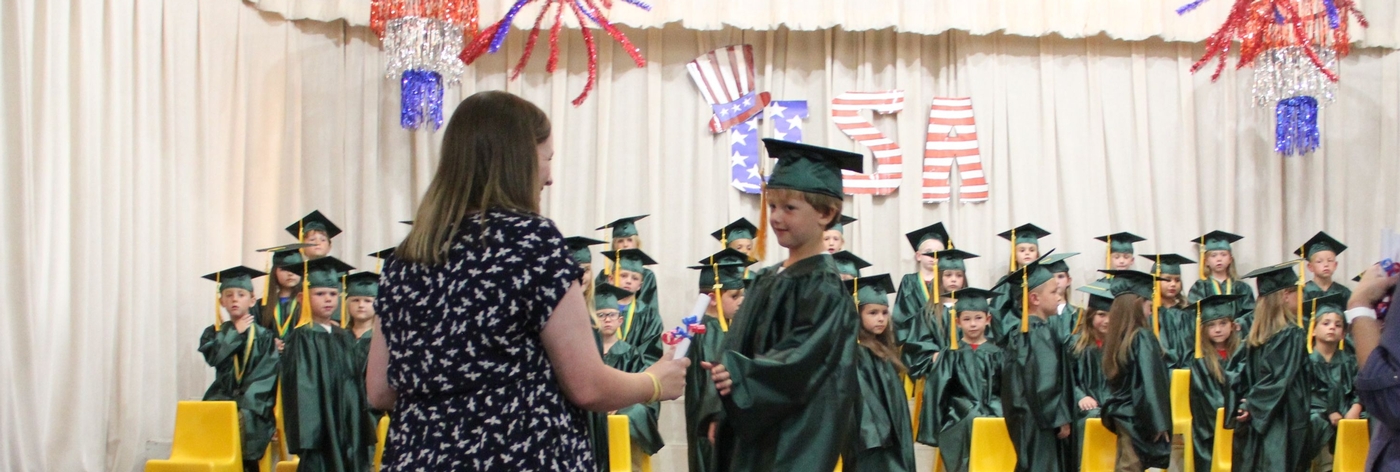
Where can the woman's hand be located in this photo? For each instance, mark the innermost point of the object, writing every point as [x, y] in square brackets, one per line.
[1088, 403]
[671, 373]
[720, 376]
[1354, 413]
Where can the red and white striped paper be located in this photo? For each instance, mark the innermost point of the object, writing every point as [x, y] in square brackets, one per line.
[889, 158]
[952, 139]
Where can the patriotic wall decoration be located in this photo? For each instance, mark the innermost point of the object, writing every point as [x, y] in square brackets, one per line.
[952, 139]
[422, 39]
[889, 158]
[726, 80]
[745, 165]
[1294, 47]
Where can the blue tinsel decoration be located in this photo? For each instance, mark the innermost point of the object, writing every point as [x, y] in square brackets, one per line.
[1296, 133]
[420, 99]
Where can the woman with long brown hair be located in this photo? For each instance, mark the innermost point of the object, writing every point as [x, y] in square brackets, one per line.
[1272, 414]
[485, 335]
[1138, 407]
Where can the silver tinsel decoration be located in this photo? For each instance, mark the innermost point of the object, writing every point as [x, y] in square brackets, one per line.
[1285, 72]
[423, 44]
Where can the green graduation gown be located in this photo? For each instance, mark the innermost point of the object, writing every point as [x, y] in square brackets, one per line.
[792, 355]
[1311, 290]
[1333, 391]
[598, 424]
[1274, 386]
[328, 421]
[285, 315]
[968, 386]
[642, 330]
[1062, 324]
[701, 401]
[1034, 395]
[256, 391]
[1086, 380]
[1208, 395]
[909, 303]
[1178, 336]
[885, 441]
[643, 417]
[1139, 402]
[1204, 288]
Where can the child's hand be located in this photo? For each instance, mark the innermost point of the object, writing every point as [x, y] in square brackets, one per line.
[1088, 403]
[1162, 436]
[712, 433]
[1243, 416]
[1334, 418]
[1063, 431]
[720, 376]
[280, 345]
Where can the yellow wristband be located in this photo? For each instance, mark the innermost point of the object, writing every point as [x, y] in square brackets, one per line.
[655, 387]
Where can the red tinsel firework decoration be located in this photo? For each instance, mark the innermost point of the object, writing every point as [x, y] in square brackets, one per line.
[422, 39]
[585, 11]
[1295, 47]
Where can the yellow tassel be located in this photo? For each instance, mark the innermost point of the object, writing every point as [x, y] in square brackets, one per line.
[937, 292]
[1025, 310]
[1013, 250]
[617, 265]
[760, 243]
[1201, 266]
[719, 295]
[305, 317]
[855, 292]
[344, 318]
[1311, 326]
[1302, 269]
[1108, 253]
[723, 239]
[1157, 299]
[953, 326]
[1198, 330]
[218, 317]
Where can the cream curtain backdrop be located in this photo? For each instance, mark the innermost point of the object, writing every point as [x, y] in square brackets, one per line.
[146, 143]
[1129, 20]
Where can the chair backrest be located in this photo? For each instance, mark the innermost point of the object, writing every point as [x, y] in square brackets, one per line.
[1353, 443]
[1220, 460]
[619, 444]
[991, 449]
[1100, 447]
[1181, 400]
[206, 430]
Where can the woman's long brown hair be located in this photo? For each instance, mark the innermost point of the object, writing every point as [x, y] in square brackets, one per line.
[490, 160]
[1125, 318]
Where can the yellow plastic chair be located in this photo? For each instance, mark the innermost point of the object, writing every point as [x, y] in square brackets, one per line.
[991, 449]
[1220, 460]
[1100, 447]
[938, 460]
[379, 445]
[206, 439]
[266, 462]
[1353, 443]
[619, 444]
[1181, 415]
[289, 466]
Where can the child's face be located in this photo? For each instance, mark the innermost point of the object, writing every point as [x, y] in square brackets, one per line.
[742, 245]
[731, 300]
[1099, 322]
[287, 278]
[1323, 264]
[1170, 285]
[973, 323]
[629, 281]
[1219, 330]
[320, 245]
[587, 273]
[609, 321]
[1121, 260]
[236, 301]
[875, 318]
[1330, 328]
[1027, 253]
[629, 242]
[930, 245]
[795, 222]
[1062, 281]
[1045, 299]
[1218, 261]
[324, 301]
[546, 154]
[953, 280]
[361, 308]
[834, 240]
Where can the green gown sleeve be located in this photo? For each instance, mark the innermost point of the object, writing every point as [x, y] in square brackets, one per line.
[648, 293]
[645, 332]
[1199, 290]
[919, 347]
[1139, 402]
[326, 415]
[219, 346]
[1265, 394]
[1046, 381]
[259, 394]
[701, 401]
[1248, 302]
[885, 440]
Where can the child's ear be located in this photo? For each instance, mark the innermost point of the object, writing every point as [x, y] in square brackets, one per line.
[714, 298]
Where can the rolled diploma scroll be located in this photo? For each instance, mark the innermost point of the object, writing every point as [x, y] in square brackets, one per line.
[698, 311]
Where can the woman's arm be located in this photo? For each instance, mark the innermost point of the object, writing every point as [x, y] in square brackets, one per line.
[381, 395]
[583, 377]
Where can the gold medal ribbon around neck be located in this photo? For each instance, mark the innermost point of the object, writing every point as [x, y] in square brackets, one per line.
[240, 366]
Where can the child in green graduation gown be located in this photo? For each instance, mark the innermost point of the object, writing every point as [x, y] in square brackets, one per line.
[624, 236]
[1025, 248]
[737, 236]
[1066, 315]
[360, 291]
[797, 322]
[919, 288]
[316, 231]
[834, 238]
[1118, 253]
[1334, 376]
[1084, 359]
[1138, 407]
[1213, 368]
[1176, 323]
[641, 323]
[1034, 386]
[1271, 420]
[329, 425]
[621, 355]
[928, 333]
[1217, 271]
[885, 441]
[965, 383]
[277, 310]
[722, 280]
[1321, 253]
[244, 358]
